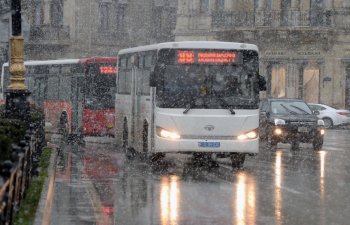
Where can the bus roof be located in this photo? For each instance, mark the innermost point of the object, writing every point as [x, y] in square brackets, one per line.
[69, 61]
[99, 60]
[191, 45]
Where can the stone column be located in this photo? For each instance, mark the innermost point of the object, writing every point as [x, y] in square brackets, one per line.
[300, 81]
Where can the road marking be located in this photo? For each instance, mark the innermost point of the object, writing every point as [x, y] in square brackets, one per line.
[46, 220]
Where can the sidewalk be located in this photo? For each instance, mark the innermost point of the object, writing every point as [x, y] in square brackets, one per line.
[43, 213]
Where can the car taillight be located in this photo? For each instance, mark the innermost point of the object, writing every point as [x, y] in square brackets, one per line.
[343, 113]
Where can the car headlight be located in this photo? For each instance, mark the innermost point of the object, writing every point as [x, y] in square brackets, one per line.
[320, 122]
[278, 131]
[279, 122]
[249, 135]
[161, 132]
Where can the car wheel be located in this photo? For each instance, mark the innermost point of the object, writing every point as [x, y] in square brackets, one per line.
[237, 160]
[317, 144]
[328, 122]
[270, 143]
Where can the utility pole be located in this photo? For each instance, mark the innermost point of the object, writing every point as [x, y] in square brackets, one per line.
[17, 105]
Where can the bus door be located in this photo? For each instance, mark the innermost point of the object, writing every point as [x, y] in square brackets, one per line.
[137, 105]
[135, 101]
[77, 99]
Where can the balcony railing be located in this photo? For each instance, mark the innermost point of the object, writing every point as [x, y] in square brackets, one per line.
[278, 18]
[49, 34]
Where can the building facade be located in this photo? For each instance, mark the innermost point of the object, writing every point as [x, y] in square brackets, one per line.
[304, 45]
[87, 28]
[4, 29]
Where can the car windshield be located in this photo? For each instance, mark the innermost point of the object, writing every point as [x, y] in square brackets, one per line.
[290, 107]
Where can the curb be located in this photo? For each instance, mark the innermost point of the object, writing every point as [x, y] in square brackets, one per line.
[43, 212]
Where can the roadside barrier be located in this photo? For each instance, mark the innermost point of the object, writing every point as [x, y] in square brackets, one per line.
[17, 172]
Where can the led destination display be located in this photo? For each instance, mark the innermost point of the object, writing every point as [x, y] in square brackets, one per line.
[204, 57]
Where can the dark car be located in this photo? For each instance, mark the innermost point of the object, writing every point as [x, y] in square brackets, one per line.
[290, 121]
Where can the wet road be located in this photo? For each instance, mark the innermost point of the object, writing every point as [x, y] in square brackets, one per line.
[97, 185]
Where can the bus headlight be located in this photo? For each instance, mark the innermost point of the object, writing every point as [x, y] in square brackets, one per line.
[278, 131]
[249, 135]
[161, 132]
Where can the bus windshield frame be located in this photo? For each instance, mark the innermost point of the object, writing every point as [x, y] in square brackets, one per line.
[216, 82]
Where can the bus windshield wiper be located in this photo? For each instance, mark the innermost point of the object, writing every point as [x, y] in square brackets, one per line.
[296, 107]
[227, 106]
[289, 110]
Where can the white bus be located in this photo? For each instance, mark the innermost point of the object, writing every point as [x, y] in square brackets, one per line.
[196, 97]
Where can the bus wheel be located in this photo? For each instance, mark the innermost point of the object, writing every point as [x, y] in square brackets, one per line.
[237, 160]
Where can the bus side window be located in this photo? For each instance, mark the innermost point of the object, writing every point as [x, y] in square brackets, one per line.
[77, 68]
[146, 74]
[121, 76]
[141, 61]
[148, 61]
[66, 69]
[65, 88]
[129, 63]
[30, 82]
[55, 69]
[146, 90]
[53, 88]
[40, 90]
[128, 81]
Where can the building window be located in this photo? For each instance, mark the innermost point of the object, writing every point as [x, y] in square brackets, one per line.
[278, 81]
[311, 84]
[285, 10]
[56, 12]
[220, 5]
[317, 12]
[37, 13]
[121, 15]
[104, 15]
[204, 6]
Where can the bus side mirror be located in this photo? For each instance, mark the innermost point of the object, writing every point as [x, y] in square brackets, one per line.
[153, 79]
[262, 83]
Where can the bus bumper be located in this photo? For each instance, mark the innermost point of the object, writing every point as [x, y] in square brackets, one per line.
[212, 146]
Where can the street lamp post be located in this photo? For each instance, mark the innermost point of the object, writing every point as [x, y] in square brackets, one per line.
[17, 105]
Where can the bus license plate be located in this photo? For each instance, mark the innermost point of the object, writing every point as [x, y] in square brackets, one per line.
[303, 129]
[209, 144]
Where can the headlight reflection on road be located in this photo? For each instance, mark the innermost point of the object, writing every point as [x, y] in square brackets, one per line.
[278, 191]
[169, 200]
[245, 200]
[322, 189]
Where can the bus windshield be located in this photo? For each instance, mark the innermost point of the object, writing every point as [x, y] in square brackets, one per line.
[100, 86]
[206, 85]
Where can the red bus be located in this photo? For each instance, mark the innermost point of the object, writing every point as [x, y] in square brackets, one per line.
[78, 93]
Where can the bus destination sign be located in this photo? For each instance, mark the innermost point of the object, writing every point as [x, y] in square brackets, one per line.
[108, 70]
[210, 57]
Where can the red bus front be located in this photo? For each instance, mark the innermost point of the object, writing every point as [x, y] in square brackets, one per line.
[98, 112]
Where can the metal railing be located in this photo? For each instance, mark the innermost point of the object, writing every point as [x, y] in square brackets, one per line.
[280, 18]
[17, 172]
